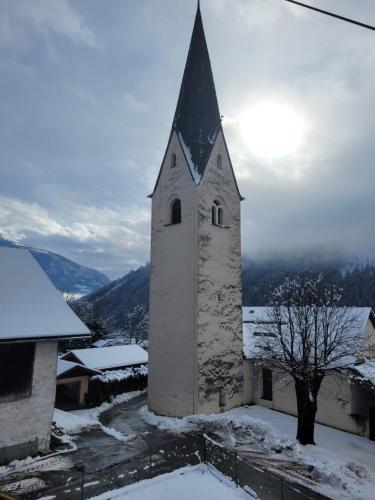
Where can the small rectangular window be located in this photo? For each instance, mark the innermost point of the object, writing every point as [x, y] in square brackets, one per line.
[16, 370]
[219, 297]
[222, 399]
[267, 384]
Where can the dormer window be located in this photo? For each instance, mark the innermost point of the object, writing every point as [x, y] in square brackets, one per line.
[176, 212]
[173, 160]
[219, 162]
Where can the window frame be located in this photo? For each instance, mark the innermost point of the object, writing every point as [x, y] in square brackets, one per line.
[217, 213]
[17, 360]
[220, 216]
[213, 215]
[219, 161]
[174, 211]
[173, 160]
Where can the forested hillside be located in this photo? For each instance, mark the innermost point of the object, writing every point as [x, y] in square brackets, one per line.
[110, 303]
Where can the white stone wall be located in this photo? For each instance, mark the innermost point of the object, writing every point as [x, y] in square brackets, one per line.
[24, 420]
[334, 399]
[195, 340]
[219, 323]
[172, 344]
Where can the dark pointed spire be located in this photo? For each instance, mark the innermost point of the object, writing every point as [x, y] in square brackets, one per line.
[197, 116]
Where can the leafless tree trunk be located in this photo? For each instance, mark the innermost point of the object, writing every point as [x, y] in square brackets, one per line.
[308, 335]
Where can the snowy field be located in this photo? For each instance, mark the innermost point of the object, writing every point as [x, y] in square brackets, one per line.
[189, 483]
[341, 465]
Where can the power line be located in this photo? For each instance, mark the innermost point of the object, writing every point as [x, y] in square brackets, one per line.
[342, 18]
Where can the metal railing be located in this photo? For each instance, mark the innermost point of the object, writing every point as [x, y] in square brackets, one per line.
[180, 452]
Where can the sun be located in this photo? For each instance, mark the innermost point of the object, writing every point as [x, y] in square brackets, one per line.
[271, 129]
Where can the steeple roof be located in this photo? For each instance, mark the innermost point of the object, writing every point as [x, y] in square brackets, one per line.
[197, 117]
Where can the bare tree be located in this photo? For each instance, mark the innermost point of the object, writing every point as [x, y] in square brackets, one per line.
[308, 335]
[136, 324]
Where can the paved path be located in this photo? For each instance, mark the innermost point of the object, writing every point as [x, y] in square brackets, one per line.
[112, 462]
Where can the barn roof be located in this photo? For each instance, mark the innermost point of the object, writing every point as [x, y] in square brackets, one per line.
[30, 306]
[102, 358]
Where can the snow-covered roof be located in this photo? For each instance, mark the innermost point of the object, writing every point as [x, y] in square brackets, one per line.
[366, 370]
[257, 320]
[101, 358]
[258, 314]
[30, 306]
[63, 367]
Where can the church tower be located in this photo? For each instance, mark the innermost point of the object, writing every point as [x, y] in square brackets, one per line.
[195, 340]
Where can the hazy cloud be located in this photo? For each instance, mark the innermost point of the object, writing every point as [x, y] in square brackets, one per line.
[88, 91]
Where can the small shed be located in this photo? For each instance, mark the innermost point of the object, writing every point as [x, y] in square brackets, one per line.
[33, 318]
[72, 384]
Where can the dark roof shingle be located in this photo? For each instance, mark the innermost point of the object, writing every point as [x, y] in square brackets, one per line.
[197, 116]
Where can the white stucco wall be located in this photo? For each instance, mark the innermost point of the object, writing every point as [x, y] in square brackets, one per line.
[369, 340]
[219, 323]
[172, 344]
[334, 399]
[195, 340]
[24, 420]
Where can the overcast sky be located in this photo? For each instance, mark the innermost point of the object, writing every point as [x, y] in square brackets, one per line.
[88, 90]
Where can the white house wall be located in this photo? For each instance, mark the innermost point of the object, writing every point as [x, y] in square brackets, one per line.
[334, 399]
[29, 418]
[369, 343]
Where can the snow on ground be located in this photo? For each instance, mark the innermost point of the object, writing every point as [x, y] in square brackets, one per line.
[73, 424]
[24, 486]
[29, 465]
[94, 413]
[77, 421]
[189, 483]
[343, 463]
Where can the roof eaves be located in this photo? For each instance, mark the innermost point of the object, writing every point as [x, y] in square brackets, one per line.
[45, 338]
[231, 166]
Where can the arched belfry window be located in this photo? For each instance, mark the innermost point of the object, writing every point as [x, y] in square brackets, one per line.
[173, 160]
[217, 213]
[176, 212]
[213, 214]
[219, 161]
[220, 216]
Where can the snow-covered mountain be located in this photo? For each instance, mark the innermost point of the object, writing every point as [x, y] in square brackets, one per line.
[66, 275]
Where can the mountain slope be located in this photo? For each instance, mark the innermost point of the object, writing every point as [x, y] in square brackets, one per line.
[109, 303]
[66, 275]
